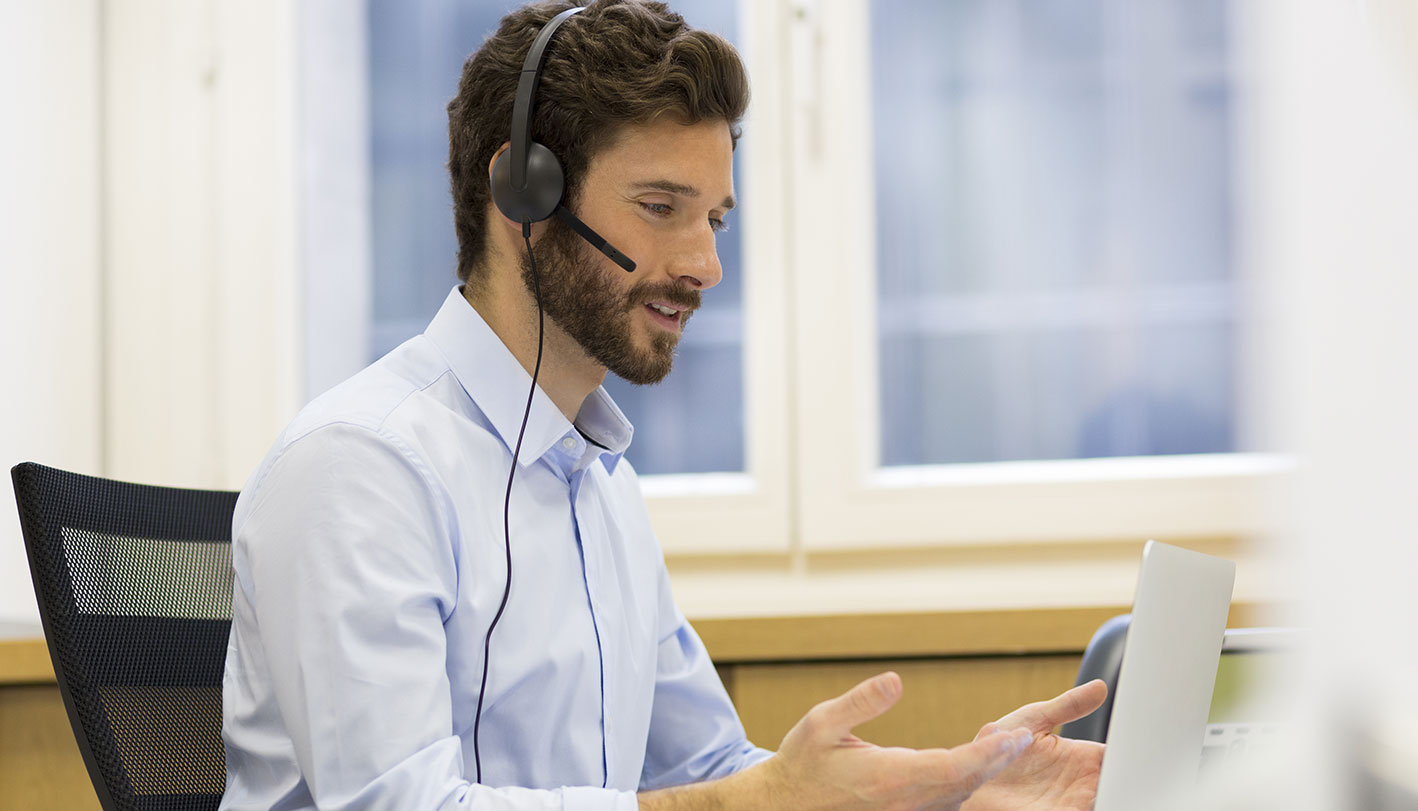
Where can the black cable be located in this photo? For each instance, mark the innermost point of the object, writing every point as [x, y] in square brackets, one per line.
[507, 503]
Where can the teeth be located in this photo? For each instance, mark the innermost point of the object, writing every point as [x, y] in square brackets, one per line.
[665, 310]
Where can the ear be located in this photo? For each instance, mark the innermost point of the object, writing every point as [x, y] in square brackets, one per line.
[506, 145]
[493, 210]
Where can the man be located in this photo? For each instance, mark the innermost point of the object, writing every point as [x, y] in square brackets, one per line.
[364, 671]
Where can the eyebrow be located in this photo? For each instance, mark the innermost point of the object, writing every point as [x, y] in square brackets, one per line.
[681, 189]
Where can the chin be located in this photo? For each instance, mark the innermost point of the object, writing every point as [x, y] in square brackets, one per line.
[646, 371]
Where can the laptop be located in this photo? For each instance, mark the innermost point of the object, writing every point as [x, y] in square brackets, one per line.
[1165, 684]
[1242, 721]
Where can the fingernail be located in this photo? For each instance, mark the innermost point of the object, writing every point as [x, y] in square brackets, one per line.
[889, 685]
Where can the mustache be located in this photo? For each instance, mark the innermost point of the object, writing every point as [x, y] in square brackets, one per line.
[668, 293]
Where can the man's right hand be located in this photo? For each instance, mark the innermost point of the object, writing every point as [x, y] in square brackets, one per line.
[822, 765]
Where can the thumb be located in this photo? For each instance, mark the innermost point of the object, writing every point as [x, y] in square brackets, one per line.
[860, 704]
[1042, 716]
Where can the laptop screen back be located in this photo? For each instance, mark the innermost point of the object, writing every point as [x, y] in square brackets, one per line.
[1168, 671]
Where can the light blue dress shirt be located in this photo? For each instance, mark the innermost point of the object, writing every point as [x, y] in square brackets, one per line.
[369, 557]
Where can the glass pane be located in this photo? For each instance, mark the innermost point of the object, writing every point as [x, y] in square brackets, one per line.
[705, 390]
[416, 53]
[1053, 202]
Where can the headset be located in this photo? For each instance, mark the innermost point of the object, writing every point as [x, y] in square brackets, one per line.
[527, 180]
[527, 186]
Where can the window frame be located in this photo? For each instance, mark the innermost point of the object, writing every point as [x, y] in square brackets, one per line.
[844, 500]
[749, 512]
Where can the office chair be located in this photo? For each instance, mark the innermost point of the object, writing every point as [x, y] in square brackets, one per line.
[1101, 660]
[134, 584]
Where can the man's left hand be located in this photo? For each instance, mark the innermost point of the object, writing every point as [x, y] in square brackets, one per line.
[1053, 773]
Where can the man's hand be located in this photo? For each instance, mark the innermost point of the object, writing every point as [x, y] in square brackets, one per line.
[822, 765]
[1054, 773]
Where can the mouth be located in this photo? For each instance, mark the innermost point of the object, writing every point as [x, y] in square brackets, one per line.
[668, 316]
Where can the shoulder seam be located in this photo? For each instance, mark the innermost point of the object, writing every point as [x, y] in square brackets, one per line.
[395, 441]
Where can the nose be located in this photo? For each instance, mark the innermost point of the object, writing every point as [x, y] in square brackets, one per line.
[697, 266]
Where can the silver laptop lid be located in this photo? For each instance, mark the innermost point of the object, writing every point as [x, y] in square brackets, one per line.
[1167, 675]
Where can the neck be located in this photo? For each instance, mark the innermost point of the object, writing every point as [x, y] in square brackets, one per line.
[567, 375]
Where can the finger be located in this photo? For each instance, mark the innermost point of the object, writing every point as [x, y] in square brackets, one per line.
[1042, 716]
[858, 705]
[966, 768]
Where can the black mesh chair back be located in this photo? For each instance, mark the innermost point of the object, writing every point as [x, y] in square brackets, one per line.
[134, 585]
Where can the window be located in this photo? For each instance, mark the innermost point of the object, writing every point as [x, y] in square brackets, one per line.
[1012, 248]
[981, 286]
[1053, 247]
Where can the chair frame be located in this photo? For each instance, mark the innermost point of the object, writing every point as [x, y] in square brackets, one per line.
[43, 542]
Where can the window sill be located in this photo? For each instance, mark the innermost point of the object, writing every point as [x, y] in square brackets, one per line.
[945, 603]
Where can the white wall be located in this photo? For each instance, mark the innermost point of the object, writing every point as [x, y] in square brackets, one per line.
[1333, 202]
[199, 157]
[149, 294]
[50, 243]
[1343, 189]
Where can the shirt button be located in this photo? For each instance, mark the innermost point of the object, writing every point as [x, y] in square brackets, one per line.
[569, 443]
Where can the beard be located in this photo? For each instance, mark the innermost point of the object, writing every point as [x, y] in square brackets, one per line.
[579, 295]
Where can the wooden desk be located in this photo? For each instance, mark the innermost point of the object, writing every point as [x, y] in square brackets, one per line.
[961, 667]
[24, 658]
[40, 767]
[974, 633]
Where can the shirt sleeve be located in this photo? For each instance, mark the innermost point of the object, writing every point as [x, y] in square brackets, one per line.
[695, 732]
[347, 568]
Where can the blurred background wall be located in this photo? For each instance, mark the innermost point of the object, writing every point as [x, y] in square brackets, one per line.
[50, 245]
[148, 216]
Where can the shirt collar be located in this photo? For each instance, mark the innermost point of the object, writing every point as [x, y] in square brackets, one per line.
[497, 383]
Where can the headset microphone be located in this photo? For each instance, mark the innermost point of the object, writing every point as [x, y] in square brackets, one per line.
[597, 241]
[527, 186]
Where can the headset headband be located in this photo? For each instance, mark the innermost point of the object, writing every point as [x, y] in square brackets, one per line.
[526, 91]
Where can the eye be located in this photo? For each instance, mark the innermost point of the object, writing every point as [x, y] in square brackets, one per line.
[718, 225]
[658, 209]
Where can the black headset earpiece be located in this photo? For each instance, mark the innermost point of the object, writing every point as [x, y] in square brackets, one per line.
[540, 194]
[527, 180]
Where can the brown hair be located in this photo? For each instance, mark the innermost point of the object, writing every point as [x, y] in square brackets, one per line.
[618, 62]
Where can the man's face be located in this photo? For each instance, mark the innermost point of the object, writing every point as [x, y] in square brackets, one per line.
[658, 194]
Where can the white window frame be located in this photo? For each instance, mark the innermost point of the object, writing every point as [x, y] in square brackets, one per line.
[750, 512]
[845, 501]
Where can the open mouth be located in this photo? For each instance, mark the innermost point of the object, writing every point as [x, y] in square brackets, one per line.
[665, 315]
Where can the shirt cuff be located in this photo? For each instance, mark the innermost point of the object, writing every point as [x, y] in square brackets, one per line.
[584, 798]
